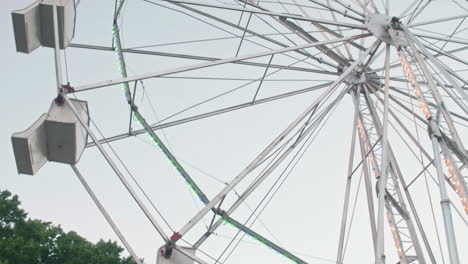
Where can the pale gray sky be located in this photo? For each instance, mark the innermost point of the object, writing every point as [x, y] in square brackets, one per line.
[304, 216]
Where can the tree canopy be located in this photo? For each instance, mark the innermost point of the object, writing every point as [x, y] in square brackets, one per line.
[31, 241]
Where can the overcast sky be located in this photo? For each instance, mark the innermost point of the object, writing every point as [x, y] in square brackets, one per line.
[304, 216]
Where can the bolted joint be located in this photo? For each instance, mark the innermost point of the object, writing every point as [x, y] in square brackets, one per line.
[133, 106]
[59, 100]
[432, 129]
[395, 23]
[219, 212]
[167, 250]
[444, 201]
[66, 88]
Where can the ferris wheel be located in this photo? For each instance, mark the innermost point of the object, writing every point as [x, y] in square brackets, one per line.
[378, 88]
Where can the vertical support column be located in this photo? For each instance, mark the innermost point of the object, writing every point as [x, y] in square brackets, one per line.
[344, 217]
[434, 133]
[367, 178]
[58, 62]
[380, 257]
[394, 195]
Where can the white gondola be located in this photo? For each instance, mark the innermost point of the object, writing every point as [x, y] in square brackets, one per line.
[56, 136]
[33, 25]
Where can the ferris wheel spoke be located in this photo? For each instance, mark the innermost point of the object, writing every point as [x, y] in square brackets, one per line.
[244, 4]
[284, 22]
[437, 34]
[349, 7]
[267, 13]
[118, 172]
[308, 128]
[372, 4]
[309, 38]
[209, 64]
[445, 87]
[201, 40]
[340, 58]
[237, 26]
[434, 90]
[265, 152]
[335, 34]
[448, 55]
[417, 11]
[398, 102]
[201, 58]
[454, 32]
[447, 72]
[253, 33]
[363, 6]
[452, 40]
[410, 7]
[371, 57]
[334, 10]
[430, 103]
[440, 20]
[158, 126]
[450, 94]
[454, 73]
[287, 254]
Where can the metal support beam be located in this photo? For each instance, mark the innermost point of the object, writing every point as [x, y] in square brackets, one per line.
[117, 172]
[270, 169]
[106, 215]
[201, 58]
[309, 38]
[395, 191]
[290, 256]
[213, 63]
[172, 159]
[344, 217]
[58, 62]
[438, 98]
[272, 14]
[236, 26]
[158, 126]
[437, 63]
[436, 21]
[265, 152]
[444, 200]
[385, 164]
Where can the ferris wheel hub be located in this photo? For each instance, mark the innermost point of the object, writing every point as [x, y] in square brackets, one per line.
[379, 24]
[357, 76]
